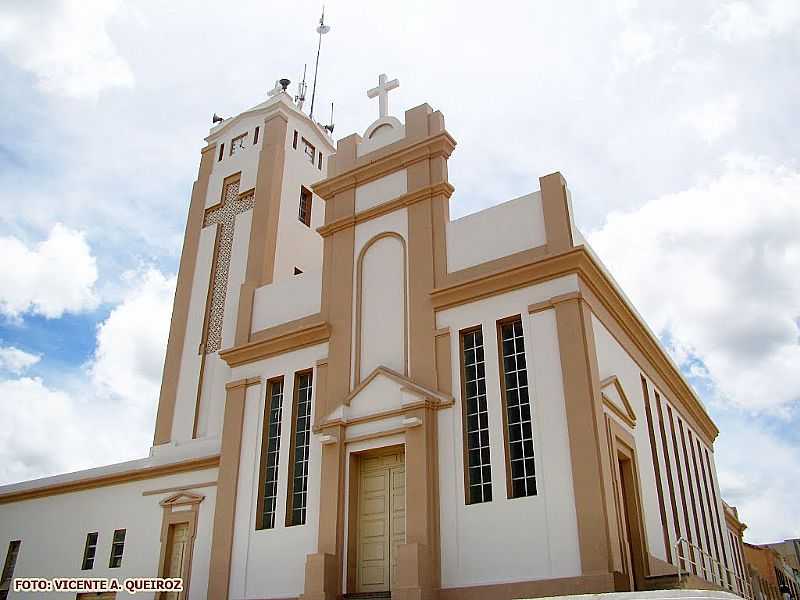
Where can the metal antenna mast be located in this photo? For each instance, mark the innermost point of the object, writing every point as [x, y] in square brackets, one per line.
[321, 30]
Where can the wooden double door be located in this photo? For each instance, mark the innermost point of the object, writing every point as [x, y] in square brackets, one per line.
[381, 509]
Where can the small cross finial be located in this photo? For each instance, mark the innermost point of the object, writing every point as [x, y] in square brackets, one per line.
[382, 92]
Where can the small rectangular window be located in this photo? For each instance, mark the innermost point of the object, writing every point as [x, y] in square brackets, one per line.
[309, 150]
[255, 135]
[304, 211]
[221, 152]
[520, 463]
[294, 140]
[319, 161]
[237, 143]
[89, 550]
[270, 451]
[117, 548]
[8, 568]
[477, 463]
[301, 445]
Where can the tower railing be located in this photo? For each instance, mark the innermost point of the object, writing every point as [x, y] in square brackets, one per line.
[710, 569]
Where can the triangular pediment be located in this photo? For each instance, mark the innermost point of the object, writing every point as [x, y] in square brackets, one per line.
[615, 399]
[181, 498]
[385, 391]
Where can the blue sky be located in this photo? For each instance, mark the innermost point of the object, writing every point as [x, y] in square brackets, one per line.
[674, 124]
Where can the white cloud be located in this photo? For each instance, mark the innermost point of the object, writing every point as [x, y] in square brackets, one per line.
[714, 268]
[65, 44]
[15, 360]
[714, 119]
[742, 20]
[109, 416]
[56, 276]
[759, 478]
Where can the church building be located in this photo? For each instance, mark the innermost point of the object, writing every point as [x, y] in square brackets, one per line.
[363, 398]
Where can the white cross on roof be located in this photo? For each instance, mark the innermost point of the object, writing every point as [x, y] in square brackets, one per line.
[382, 92]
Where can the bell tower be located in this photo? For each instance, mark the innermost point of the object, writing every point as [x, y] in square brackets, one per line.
[251, 223]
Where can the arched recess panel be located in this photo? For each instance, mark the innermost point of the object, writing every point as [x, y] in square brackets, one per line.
[381, 306]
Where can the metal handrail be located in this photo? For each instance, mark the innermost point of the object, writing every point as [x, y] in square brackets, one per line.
[706, 564]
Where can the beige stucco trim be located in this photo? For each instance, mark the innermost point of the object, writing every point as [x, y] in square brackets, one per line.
[627, 416]
[264, 227]
[195, 464]
[180, 488]
[360, 297]
[555, 206]
[540, 588]
[591, 469]
[280, 339]
[404, 201]
[440, 144]
[183, 294]
[227, 482]
[170, 517]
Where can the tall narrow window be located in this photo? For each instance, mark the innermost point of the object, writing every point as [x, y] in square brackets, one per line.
[255, 135]
[309, 150]
[117, 548]
[89, 550]
[237, 143]
[304, 211]
[294, 140]
[221, 152]
[478, 471]
[301, 444]
[319, 161]
[520, 464]
[8, 568]
[270, 449]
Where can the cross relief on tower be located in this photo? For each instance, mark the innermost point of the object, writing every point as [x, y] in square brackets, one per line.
[224, 217]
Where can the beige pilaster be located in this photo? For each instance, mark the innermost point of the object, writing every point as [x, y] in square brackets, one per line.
[555, 206]
[264, 228]
[183, 294]
[589, 451]
[225, 508]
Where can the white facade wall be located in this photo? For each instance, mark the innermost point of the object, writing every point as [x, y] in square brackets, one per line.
[53, 532]
[270, 563]
[495, 232]
[517, 539]
[287, 300]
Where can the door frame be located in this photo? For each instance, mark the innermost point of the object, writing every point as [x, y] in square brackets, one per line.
[174, 517]
[353, 488]
[628, 502]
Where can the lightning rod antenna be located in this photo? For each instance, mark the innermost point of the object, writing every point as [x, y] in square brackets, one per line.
[300, 98]
[321, 30]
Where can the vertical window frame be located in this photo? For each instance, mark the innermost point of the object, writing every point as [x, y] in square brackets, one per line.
[221, 152]
[504, 409]
[7, 574]
[319, 160]
[265, 441]
[468, 500]
[242, 138]
[88, 561]
[306, 206]
[114, 544]
[294, 140]
[255, 134]
[290, 490]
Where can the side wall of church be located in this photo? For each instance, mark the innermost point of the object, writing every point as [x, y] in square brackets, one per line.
[53, 531]
[680, 490]
[506, 539]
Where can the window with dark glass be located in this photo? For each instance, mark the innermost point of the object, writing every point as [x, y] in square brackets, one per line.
[304, 210]
[478, 470]
[117, 548]
[270, 449]
[309, 150]
[319, 161]
[520, 464]
[221, 152]
[89, 550]
[8, 568]
[255, 135]
[294, 140]
[301, 444]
